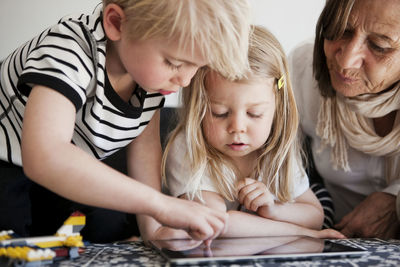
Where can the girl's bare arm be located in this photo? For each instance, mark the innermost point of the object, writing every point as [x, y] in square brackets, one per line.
[246, 224]
[304, 211]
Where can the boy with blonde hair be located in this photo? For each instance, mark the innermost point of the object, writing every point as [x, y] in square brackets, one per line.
[93, 84]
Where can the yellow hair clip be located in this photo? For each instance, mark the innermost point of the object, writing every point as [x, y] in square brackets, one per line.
[281, 82]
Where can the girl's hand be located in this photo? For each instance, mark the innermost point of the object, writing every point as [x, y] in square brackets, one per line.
[328, 234]
[199, 221]
[254, 194]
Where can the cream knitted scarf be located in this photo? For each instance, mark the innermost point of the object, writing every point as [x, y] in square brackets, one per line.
[348, 121]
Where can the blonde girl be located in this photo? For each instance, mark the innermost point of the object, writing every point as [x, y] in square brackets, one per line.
[243, 156]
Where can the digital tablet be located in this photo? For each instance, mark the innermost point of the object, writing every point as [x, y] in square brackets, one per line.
[282, 248]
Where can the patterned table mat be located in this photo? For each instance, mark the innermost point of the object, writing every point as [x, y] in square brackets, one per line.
[382, 253]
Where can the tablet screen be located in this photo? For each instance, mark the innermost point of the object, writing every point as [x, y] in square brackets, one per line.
[183, 251]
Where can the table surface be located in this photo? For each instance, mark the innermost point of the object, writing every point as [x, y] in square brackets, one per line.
[381, 253]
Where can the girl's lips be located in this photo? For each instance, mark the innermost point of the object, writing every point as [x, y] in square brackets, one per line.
[165, 92]
[238, 147]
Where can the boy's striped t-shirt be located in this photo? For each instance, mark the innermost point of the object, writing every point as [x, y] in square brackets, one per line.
[70, 58]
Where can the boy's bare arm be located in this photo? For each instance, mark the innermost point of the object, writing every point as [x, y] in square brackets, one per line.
[144, 161]
[50, 159]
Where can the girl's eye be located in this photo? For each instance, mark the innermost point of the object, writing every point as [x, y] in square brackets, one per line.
[219, 115]
[171, 66]
[253, 115]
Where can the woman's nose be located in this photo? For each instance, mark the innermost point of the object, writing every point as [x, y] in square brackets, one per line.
[351, 54]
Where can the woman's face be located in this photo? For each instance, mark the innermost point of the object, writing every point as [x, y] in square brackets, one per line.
[366, 59]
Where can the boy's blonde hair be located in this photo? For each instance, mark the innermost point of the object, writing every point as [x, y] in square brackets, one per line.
[219, 28]
[281, 151]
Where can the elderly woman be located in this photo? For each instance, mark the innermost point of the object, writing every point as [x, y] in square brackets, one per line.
[347, 90]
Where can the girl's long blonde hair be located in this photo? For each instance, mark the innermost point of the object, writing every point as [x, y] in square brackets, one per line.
[280, 152]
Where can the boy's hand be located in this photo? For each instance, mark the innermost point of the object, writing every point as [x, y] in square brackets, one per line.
[199, 221]
[254, 194]
[179, 244]
[168, 233]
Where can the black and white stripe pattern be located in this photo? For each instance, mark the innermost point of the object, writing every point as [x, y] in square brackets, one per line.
[327, 204]
[70, 58]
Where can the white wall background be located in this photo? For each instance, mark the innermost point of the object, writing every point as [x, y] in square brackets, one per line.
[292, 21]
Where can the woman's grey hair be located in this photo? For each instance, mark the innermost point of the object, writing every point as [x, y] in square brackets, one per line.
[331, 25]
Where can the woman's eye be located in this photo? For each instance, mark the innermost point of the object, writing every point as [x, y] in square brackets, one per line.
[378, 48]
[219, 115]
[347, 33]
[171, 66]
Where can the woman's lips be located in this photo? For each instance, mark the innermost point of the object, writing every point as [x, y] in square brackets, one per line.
[345, 79]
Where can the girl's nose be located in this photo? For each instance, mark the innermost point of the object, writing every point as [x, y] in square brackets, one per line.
[237, 124]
